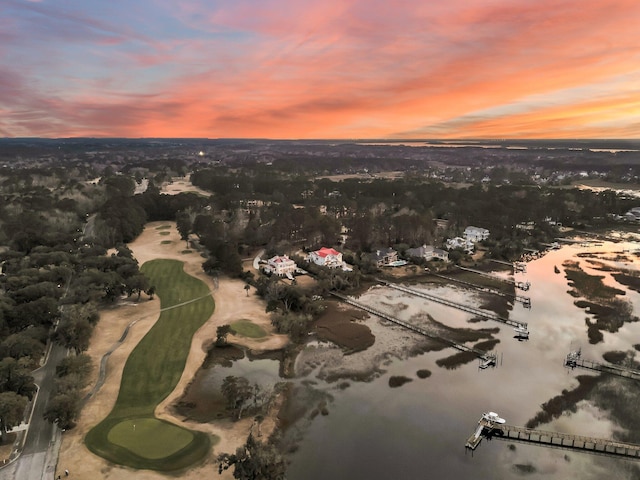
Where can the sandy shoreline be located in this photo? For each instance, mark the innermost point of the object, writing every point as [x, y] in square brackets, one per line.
[231, 303]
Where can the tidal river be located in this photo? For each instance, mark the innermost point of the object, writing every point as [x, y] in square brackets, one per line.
[418, 430]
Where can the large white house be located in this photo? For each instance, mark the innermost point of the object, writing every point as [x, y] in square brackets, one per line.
[280, 265]
[476, 234]
[459, 242]
[326, 257]
[428, 252]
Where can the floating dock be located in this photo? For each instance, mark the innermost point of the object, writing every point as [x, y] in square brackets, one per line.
[521, 326]
[488, 429]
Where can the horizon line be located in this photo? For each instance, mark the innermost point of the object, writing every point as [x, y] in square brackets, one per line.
[364, 139]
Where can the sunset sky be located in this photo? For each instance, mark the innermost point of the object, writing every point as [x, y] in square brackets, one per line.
[320, 69]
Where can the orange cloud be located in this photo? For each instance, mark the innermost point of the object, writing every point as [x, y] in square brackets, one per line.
[334, 69]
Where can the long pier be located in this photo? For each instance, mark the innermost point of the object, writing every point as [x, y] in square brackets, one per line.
[525, 301]
[521, 285]
[575, 360]
[582, 243]
[600, 236]
[488, 429]
[465, 308]
[486, 357]
[517, 266]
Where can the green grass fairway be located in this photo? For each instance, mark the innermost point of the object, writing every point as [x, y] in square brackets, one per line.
[151, 373]
[248, 329]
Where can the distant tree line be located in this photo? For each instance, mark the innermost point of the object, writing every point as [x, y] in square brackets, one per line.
[54, 278]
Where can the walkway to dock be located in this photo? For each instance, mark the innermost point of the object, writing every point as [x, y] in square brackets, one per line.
[525, 301]
[574, 359]
[600, 446]
[600, 236]
[521, 285]
[465, 308]
[517, 266]
[582, 243]
[486, 357]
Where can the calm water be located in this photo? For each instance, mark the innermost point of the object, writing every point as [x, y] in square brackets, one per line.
[419, 430]
[261, 372]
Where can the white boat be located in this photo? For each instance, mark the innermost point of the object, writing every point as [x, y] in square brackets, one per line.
[493, 417]
[521, 331]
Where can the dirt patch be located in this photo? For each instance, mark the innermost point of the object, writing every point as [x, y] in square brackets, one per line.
[6, 446]
[338, 324]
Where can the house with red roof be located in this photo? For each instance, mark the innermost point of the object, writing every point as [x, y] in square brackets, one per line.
[326, 257]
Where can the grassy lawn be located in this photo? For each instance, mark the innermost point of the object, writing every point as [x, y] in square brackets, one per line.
[150, 374]
[248, 329]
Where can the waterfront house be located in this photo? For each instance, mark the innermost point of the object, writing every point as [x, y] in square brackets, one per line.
[326, 257]
[384, 256]
[428, 252]
[476, 234]
[458, 242]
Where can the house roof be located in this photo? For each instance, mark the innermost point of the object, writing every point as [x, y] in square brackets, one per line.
[471, 228]
[324, 251]
[279, 259]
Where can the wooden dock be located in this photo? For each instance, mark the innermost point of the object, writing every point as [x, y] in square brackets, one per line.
[565, 441]
[521, 285]
[487, 358]
[575, 360]
[525, 301]
[517, 266]
[465, 308]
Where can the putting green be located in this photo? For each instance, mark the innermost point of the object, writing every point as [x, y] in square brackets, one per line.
[149, 437]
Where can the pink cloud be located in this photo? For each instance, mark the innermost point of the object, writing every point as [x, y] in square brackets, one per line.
[283, 68]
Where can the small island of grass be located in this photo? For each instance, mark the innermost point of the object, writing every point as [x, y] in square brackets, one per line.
[247, 328]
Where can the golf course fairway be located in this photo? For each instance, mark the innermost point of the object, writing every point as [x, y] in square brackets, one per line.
[131, 435]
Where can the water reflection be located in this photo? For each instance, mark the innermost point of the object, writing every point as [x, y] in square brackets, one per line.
[419, 429]
[264, 373]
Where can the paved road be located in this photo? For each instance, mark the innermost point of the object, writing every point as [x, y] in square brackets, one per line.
[36, 461]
